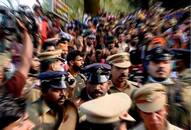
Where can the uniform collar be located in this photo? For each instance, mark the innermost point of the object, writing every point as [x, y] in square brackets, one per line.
[172, 127]
[45, 108]
[126, 85]
[167, 81]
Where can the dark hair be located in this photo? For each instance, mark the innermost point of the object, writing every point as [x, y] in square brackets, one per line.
[36, 7]
[45, 87]
[73, 54]
[11, 109]
[48, 44]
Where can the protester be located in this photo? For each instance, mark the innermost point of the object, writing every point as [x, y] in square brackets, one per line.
[16, 83]
[75, 60]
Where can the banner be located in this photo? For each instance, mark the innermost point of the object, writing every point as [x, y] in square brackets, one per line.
[59, 8]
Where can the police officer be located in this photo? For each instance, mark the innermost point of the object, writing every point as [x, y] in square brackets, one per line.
[151, 101]
[159, 67]
[53, 110]
[182, 60]
[51, 61]
[106, 113]
[119, 74]
[97, 84]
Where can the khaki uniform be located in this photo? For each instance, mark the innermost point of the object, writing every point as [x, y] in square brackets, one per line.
[178, 114]
[169, 127]
[185, 76]
[122, 60]
[42, 116]
[129, 89]
[46, 119]
[103, 117]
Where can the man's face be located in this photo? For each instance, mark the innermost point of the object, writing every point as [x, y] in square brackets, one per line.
[1, 74]
[155, 120]
[57, 65]
[3, 67]
[97, 90]
[78, 63]
[121, 38]
[56, 96]
[111, 45]
[119, 74]
[159, 69]
[64, 51]
[90, 24]
[50, 48]
[35, 64]
[64, 46]
[21, 124]
[90, 41]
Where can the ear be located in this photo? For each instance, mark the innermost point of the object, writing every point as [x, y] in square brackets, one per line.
[110, 84]
[52, 67]
[167, 108]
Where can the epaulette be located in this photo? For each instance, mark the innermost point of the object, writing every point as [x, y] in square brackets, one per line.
[133, 83]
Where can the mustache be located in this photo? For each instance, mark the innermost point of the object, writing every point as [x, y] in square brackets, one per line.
[160, 70]
[123, 75]
[62, 98]
[97, 91]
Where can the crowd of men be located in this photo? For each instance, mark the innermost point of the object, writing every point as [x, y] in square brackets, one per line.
[126, 72]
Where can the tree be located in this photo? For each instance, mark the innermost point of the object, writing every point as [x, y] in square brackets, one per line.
[91, 7]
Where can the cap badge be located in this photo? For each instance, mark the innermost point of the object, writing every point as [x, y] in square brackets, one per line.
[99, 71]
[159, 50]
[149, 98]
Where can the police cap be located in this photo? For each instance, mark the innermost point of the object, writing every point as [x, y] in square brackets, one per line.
[98, 73]
[54, 79]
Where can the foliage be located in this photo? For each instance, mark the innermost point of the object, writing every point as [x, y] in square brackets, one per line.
[117, 6]
[114, 6]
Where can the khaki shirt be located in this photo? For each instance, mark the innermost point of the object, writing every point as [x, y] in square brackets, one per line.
[169, 127]
[42, 116]
[178, 112]
[129, 88]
